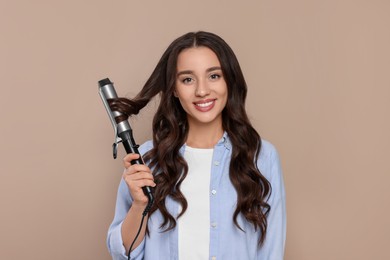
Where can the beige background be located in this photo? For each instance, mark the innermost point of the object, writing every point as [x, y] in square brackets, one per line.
[319, 89]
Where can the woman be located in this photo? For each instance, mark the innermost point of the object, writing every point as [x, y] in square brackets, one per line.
[218, 187]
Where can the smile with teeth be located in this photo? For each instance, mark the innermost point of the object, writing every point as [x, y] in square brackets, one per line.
[204, 104]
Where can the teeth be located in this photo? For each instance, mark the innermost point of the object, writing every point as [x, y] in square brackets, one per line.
[204, 104]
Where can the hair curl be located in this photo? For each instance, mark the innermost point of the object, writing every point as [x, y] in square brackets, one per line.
[170, 129]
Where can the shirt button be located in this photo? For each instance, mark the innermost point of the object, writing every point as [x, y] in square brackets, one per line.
[213, 258]
[213, 192]
[214, 224]
[216, 163]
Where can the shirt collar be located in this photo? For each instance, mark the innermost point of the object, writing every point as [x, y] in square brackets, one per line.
[225, 140]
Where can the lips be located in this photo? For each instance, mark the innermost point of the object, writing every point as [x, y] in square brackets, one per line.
[205, 105]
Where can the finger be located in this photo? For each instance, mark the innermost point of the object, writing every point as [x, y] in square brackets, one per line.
[128, 158]
[138, 176]
[137, 168]
[138, 184]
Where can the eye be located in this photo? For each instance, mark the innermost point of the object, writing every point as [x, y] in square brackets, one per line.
[187, 80]
[215, 76]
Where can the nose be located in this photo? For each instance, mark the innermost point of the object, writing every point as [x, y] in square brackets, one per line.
[202, 89]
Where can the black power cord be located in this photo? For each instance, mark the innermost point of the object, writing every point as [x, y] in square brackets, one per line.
[146, 211]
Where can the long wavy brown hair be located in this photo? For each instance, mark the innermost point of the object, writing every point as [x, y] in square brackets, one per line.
[170, 129]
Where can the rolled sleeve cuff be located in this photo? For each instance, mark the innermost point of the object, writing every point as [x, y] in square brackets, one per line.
[117, 249]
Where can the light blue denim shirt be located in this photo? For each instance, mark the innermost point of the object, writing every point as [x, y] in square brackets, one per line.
[226, 240]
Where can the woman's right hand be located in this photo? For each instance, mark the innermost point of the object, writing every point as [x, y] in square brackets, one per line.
[137, 176]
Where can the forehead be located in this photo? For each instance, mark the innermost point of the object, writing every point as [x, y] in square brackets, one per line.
[197, 58]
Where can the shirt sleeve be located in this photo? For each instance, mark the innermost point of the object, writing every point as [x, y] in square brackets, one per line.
[274, 244]
[114, 236]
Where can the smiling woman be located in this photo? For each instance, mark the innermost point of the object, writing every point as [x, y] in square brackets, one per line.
[212, 173]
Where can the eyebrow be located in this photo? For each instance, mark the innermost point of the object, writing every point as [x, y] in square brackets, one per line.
[191, 72]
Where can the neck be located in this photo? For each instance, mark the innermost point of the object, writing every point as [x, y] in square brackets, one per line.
[204, 136]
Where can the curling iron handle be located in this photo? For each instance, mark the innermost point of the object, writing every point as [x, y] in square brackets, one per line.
[131, 147]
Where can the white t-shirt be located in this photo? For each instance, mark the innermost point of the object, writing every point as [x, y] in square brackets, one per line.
[194, 225]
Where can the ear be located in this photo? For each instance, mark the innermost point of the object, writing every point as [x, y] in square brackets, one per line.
[174, 93]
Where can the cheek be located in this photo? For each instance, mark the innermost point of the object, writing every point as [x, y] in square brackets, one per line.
[181, 98]
[183, 94]
[225, 95]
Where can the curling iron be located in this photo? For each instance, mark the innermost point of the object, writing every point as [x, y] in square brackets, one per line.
[123, 132]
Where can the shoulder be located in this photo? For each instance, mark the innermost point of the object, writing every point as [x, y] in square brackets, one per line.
[268, 151]
[269, 161]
